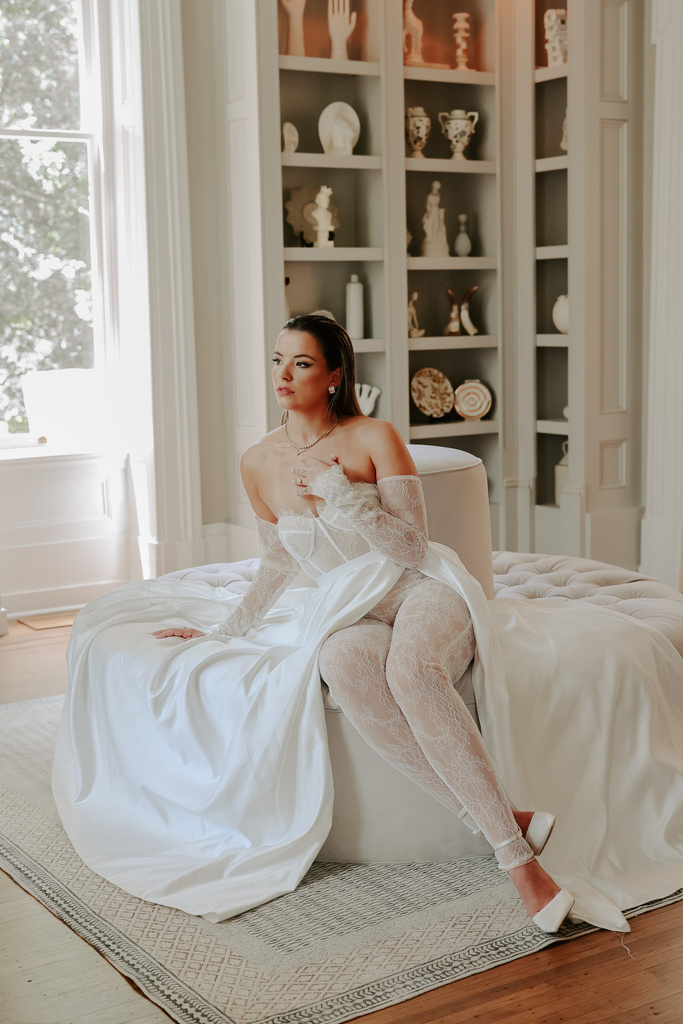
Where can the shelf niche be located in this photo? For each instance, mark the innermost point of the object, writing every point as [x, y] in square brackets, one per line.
[551, 107]
[357, 194]
[475, 195]
[438, 97]
[438, 44]
[312, 286]
[364, 44]
[433, 305]
[363, 93]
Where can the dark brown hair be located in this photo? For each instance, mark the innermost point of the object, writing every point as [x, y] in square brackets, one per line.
[337, 350]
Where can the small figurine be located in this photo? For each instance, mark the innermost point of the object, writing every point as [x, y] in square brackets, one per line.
[414, 329]
[555, 26]
[340, 24]
[367, 395]
[412, 36]
[318, 213]
[435, 242]
[461, 32]
[290, 138]
[460, 314]
[301, 203]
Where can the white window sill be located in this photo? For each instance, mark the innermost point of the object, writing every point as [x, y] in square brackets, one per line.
[29, 448]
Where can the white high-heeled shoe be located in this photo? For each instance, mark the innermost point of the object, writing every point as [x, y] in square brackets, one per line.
[549, 919]
[539, 830]
[537, 834]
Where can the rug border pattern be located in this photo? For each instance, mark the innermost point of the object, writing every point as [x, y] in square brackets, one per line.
[158, 983]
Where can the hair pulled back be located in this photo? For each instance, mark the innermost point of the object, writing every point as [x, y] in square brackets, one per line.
[337, 351]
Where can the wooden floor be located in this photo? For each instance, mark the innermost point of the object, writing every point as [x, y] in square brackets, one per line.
[50, 976]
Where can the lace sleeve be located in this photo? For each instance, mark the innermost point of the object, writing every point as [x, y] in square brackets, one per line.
[273, 576]
[397, 527]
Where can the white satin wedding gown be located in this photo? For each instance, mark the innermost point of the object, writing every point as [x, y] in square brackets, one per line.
[195, 773]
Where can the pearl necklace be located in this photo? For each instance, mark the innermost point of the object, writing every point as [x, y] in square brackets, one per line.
[299, 448]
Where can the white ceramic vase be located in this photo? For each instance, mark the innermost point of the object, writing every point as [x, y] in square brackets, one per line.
[458, 127]
[354, 308]
[562, 472]
[418, 125]
[463, 245]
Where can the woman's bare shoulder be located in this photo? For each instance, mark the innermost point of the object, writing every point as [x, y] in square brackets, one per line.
[385, 446]
[257, 455]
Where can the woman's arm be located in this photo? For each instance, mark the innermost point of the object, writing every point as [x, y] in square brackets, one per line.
[398, 526]
[276, 568]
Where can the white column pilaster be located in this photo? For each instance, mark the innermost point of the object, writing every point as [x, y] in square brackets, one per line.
[662, 528]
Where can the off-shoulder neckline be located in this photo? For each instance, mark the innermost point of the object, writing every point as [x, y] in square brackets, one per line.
[365, 483]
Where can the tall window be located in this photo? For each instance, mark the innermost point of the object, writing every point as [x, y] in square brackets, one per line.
[47, 153]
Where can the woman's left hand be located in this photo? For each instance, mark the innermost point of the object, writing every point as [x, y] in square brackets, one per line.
[309, 468]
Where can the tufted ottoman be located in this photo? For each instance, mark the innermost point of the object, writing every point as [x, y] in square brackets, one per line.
[379, 815]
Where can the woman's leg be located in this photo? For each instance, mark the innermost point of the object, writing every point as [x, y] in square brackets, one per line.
[432, 636]
[352, 663]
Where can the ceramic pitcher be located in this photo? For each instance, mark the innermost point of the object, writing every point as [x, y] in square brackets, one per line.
[458, 126]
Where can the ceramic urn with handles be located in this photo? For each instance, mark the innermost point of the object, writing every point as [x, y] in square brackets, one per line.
[458, 127]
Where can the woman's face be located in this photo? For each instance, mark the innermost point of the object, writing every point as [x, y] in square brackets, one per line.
[300, 374]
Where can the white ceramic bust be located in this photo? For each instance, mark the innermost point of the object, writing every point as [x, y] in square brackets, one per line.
[319, 214]
[338, 128]
[342, 135]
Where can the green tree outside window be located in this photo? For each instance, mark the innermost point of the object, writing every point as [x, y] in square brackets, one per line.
[45, 291]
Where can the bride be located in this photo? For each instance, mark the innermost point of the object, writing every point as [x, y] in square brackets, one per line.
[191, 766]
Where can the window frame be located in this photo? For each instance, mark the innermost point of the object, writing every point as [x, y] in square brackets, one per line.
[95, 96]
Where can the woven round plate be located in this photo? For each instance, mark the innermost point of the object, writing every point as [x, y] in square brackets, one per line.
[472, 400]
[432, 392]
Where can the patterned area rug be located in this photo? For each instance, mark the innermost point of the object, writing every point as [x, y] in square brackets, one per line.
[351, 939]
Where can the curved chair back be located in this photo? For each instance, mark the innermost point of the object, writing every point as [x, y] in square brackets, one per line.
[457, 498]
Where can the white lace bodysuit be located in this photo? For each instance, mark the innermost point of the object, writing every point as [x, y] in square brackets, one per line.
[392, 672]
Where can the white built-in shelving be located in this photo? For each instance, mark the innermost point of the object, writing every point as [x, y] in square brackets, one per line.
[380, 192]
[584, 243]
[543, 222]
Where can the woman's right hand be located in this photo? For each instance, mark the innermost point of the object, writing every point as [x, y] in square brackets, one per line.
[183, 633]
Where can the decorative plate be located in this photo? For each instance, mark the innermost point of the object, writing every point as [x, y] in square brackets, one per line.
[432, 392]
[472, 400]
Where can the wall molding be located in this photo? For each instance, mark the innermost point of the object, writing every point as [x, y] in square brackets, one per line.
[662, 526]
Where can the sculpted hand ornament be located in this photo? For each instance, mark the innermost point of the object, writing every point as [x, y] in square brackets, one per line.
[295, 39]
[341, 24]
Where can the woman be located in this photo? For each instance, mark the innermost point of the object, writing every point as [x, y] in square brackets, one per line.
[230, 799]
